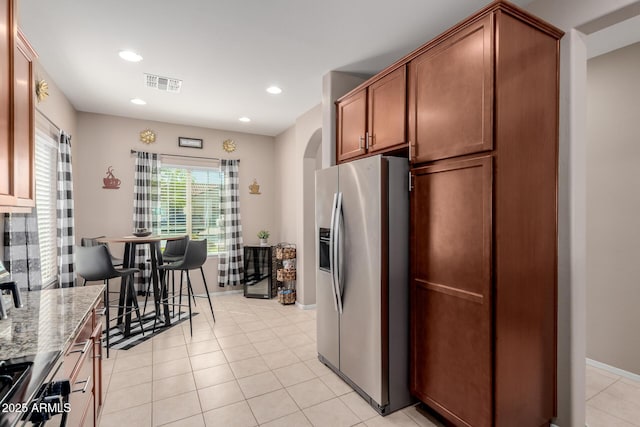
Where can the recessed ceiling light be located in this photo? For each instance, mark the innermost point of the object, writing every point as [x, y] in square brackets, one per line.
[130, 56]
[274, 90]
[138, 101]
[244, 119]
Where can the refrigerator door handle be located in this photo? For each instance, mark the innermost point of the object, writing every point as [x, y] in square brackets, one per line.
[336, 254]
[332, 261]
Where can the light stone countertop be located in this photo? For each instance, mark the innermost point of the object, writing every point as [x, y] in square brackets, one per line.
[47, 322]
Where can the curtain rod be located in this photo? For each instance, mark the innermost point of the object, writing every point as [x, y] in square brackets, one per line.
[49, 120]
[181, 155]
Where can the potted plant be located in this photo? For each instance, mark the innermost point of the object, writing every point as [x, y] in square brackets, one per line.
[263, 235]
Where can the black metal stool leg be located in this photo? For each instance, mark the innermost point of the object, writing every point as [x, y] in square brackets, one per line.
[193, 295]
[206, 288]
[163, 285]
[146, 296]
[106, 306]
[189, 295]
[180, 296]
[173, 291]
[136, 306]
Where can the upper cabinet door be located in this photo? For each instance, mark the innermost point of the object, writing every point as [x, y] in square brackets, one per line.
[6, 47]
[451, 95]
[387, 111]
[23, 123]
[351, 126]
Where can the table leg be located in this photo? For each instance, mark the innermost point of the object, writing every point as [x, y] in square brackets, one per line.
[127, 289]
[131, 295]
[126, 263]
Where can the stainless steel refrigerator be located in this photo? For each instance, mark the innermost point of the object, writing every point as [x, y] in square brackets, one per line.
[362, 283]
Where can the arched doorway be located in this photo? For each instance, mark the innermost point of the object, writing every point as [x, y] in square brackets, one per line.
[312, 161]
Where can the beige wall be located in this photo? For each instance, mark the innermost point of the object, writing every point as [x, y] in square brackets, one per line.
[57, 107]
[295, 195]
[613, 208]
[287, 189]
[104, 141]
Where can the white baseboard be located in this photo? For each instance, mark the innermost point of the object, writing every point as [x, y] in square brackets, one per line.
[223, 293]
[613, 370]
[305, 307]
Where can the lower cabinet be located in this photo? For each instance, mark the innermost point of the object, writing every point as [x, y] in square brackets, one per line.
[451, 300]
[82, 366]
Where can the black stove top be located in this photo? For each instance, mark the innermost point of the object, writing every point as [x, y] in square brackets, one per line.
[12, 377]
[20, 379]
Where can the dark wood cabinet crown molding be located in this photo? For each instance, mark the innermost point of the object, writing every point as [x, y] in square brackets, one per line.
[503, 5]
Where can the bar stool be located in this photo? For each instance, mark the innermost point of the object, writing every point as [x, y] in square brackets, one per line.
[93, 263]
[194, 258]
[173, 251]
[93, 241]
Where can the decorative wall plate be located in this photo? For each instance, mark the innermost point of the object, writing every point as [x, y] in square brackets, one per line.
[42, 90]
[229, 145]
[254, 188]
[147, 136]
[110, 182]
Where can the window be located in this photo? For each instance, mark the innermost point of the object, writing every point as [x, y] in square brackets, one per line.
[45, 170]
[189, 203]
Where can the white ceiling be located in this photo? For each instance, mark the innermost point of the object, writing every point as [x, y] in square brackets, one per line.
[227, 52]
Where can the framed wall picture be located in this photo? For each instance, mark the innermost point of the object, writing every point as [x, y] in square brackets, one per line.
[189, 142]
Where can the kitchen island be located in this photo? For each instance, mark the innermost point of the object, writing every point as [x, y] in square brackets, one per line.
[56, 337]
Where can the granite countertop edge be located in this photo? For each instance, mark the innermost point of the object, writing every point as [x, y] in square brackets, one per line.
[48, 322]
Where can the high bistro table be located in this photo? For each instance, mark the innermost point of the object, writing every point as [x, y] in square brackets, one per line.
[130, 245]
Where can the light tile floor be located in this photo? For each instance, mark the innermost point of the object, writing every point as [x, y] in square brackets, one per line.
[612, 401]
[256, 365]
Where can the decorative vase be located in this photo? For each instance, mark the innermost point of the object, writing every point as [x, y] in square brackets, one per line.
[263, 242]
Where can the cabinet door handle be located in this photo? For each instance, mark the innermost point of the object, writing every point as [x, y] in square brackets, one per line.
[83, 389]
[370, 139]
[362, 140]
[412, 150]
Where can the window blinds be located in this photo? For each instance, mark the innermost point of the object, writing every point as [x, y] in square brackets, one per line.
[45, 175]
[189, 203]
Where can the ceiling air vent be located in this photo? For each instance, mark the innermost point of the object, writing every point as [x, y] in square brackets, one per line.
[165, 84]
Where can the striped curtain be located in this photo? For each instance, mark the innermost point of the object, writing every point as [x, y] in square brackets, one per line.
[65, 228]
[230, 263]
[22, 251]
[145, 202]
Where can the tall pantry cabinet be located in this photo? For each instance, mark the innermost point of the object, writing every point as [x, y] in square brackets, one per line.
[480, 105]
[483, 144]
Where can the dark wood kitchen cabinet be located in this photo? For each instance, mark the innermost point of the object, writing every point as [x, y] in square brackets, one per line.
[6, 49]
[23, 123]
[484, 220]
[82, 366]
[352, 126]
[16, 114]
[372, 119]
[451, 287]
[478, 108]
[451, 95]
